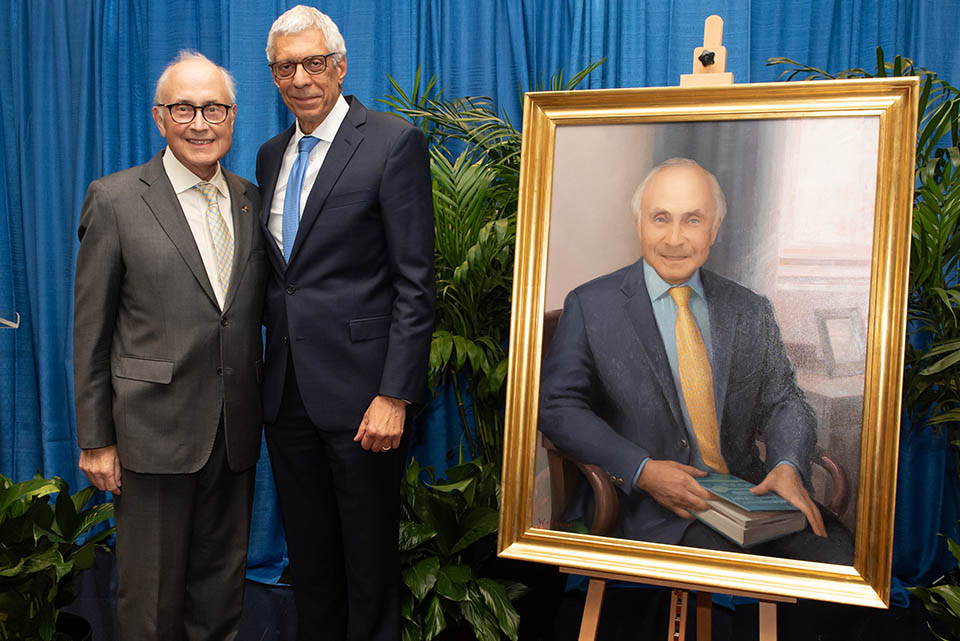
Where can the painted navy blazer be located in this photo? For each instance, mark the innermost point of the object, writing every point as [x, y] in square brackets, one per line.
[608, 396]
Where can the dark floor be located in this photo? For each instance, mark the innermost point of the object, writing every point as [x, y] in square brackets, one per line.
[548, 614]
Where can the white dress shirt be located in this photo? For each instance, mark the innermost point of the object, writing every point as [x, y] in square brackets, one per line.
[194, 207]
[325, 132]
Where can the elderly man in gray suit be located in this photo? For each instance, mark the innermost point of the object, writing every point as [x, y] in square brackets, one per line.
[170, 283]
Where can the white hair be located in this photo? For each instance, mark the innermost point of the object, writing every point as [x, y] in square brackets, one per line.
[719, 200]
[186, 55]
[300, 19]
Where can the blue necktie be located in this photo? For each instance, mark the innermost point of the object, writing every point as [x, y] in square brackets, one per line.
[291, 201]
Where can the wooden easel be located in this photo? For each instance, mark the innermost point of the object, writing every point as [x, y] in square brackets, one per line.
[709, 68]
[677, 628]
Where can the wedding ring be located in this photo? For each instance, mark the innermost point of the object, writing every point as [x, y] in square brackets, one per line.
[385, 448]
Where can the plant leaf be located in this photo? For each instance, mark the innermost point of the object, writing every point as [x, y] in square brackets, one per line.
[475, 610]
[422, 577]
[35, 487]
[414, 534]
[411, 631]
[495, 596]
[476, 524]
[93, 517]
[406, 604]
[67, 521]
[433, 619]
[452, 581]
[942, 364]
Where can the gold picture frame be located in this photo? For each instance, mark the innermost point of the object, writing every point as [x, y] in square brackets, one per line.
[882, 115]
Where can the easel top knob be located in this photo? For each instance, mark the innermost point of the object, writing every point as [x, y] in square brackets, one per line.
[710, 60]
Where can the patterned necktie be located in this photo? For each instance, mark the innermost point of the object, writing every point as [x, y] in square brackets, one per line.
[222, 240]
[291, 199]
[696, 381]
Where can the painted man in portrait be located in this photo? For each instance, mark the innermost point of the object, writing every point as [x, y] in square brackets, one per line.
[662, 371]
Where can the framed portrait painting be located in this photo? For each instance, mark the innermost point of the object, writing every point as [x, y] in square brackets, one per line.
[710, 292]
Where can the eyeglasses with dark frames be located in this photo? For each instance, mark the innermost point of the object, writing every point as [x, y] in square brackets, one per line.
[183, 112]
[311, 64]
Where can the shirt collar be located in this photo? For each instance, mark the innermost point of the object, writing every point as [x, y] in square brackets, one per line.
[327, 129]
[657, 287]
[183, 179]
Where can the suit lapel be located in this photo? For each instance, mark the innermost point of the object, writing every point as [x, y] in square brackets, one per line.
[341, 150]
[723, 323]
[272, 161]
[242, 235]
[639, 313]
[162, 201]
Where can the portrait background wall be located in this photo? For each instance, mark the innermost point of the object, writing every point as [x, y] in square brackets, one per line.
[818, 181]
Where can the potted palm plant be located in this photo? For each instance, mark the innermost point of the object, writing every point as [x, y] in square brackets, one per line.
[41, 555]
[475, 164]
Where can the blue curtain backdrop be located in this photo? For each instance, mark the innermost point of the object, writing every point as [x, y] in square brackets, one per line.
[75, 96]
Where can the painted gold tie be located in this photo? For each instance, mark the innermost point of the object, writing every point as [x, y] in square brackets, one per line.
[222, 240]
[696, 381]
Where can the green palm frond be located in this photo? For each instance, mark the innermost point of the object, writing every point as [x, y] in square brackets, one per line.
[475, 166]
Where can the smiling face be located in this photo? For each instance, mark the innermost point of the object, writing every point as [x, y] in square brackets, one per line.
[197, 144]
[677, 223]
[309, 97]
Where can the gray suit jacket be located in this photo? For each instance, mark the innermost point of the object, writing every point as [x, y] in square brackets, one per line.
[155, 360]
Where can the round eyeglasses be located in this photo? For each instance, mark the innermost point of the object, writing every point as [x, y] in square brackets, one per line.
[184, 113]
[311, 64]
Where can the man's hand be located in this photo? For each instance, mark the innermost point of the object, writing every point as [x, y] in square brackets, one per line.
[784, 480]
[102, 467]
[382, 424]
[674, 486]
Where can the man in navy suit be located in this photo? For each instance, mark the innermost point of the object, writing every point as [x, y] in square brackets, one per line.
[612, 393]
[348, 216]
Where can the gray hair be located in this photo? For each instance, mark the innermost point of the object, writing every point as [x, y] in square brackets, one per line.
[186, 55]
[300, 19]
[719, 200]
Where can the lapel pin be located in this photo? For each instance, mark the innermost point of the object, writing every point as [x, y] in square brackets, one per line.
[244, 208]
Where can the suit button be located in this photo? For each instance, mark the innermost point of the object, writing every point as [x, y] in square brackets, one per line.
[224, 322]
[683, 444]
[291, 289]
[219, 371]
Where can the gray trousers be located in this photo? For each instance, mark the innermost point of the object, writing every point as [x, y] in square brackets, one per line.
[182, 552]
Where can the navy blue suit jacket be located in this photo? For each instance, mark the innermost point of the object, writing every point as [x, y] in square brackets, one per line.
[608, 396]
[355, 305]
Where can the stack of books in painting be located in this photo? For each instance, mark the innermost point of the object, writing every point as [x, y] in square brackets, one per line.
[745, 518]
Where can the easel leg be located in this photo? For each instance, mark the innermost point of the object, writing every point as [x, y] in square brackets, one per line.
[677, 616]
[591, 610]
[704, 612]
[768, 621]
